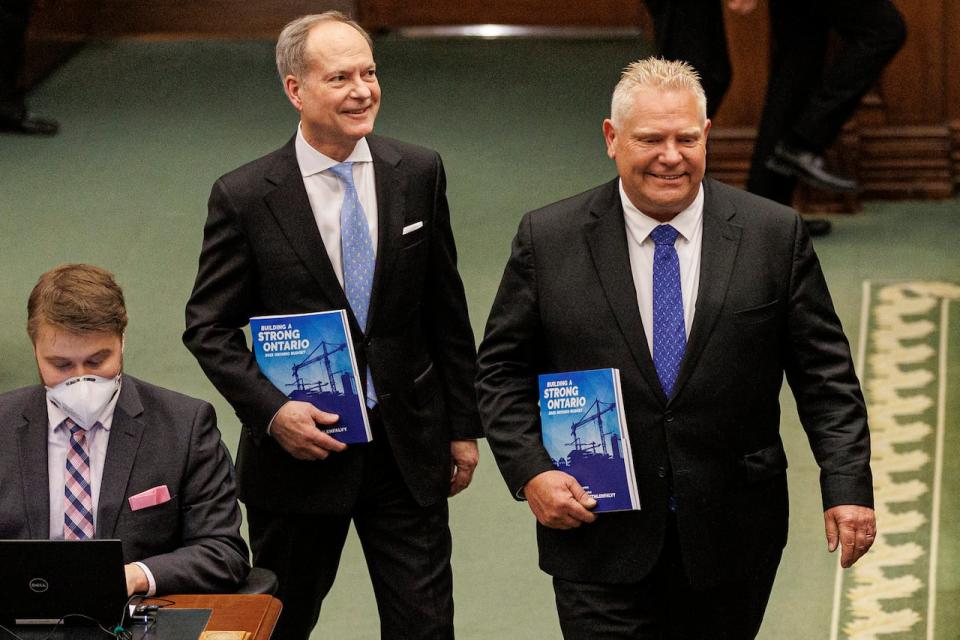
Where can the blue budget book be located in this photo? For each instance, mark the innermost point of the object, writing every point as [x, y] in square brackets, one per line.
[309, 357]
[585, 432]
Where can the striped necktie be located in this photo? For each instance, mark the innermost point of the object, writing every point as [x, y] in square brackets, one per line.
[77, 495]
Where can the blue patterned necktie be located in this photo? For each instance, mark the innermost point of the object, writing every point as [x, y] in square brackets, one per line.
[77, 494]
[669, 334]
[358, 257]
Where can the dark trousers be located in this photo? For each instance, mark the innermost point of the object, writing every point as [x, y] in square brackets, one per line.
[808, 102]
[692, 30]
[664, 605]
[14, 18]
[407, 549]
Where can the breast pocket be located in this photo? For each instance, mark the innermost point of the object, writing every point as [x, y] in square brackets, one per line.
[413, 238]
[757, 314]
[160, 520]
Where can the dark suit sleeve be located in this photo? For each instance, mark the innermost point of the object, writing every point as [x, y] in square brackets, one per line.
[447, 323]
[508, 363]
[212, 556]
[820, 372]
[222, 302]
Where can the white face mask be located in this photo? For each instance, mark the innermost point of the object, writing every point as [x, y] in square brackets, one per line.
[84, 398]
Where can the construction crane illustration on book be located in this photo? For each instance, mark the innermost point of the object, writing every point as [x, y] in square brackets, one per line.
[587, 453]
[329, 349]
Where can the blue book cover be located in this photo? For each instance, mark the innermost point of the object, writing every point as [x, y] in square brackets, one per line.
[310, 358]
[584, 431]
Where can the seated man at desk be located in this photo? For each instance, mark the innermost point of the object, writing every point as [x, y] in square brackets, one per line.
[92, 452]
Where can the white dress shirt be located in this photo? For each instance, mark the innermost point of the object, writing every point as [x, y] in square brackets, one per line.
[326, 192]
[58, 443]
[689, 224]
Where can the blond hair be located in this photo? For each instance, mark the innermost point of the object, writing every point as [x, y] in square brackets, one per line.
[656, 73]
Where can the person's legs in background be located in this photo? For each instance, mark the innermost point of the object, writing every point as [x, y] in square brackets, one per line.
[870, 32]
[14, 118]
[693, 30]
[799, 42]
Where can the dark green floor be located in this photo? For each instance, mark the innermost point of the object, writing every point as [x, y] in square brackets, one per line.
[148, 127]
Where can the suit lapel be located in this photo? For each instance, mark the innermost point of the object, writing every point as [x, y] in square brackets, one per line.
[721, 239]
[125, 435]
[607, 238]
[32, 444]
[290, 207]
[391, 187]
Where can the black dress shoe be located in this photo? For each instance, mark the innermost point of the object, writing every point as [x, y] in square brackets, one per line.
[807, 166]
[817, 226]
[29, 125]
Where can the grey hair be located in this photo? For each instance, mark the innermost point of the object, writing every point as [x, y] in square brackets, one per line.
[656, 73]
[292, 43]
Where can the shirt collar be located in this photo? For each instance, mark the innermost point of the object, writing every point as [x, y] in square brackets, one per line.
[56, 416]
[685, 222]
[312, 161]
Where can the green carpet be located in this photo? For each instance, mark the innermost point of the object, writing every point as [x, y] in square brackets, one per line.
[148, 127]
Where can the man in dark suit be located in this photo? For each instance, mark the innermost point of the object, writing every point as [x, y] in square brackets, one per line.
[92, 452]
[620, 276]
[273, 245]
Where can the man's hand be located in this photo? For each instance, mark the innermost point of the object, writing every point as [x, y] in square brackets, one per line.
[742, 7]
[558, 500]
[295, 429]
[852, 527]
[136, 579]
[464, 456]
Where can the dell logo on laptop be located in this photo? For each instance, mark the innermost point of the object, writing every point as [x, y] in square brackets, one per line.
[39, 585]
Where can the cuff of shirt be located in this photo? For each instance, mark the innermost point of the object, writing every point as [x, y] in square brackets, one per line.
[152, 589]
[270, 424]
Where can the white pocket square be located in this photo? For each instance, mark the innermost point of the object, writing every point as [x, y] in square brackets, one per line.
[412, 227]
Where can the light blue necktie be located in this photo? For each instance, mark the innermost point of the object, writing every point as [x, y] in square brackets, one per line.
[358, 257]
[669, 334]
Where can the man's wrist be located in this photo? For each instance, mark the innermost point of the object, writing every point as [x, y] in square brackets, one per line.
[274, 418]
[144, 581]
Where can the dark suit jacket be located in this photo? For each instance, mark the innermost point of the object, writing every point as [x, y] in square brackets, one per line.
[263, 255]
[191, 543]
[567, 302]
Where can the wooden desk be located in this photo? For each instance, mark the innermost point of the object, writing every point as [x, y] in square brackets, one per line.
[254, 613]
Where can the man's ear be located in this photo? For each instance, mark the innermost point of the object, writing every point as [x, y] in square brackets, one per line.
[292, 86]
[609, 135]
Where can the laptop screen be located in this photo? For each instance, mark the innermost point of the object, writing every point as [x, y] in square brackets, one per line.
[79, 581]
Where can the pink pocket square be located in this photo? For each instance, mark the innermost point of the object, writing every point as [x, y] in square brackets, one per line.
[149, 498]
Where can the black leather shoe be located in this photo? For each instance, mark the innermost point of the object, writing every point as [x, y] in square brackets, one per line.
[817, 226]
[29, 125]
[808, 166]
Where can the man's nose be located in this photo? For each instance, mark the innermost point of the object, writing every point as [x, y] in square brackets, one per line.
[670, 153]
[360, 89]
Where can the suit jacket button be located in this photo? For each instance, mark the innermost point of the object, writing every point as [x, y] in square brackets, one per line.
[668, 416]
[661, 472]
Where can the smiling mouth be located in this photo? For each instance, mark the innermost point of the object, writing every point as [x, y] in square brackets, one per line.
[356, 112]
[668, 177]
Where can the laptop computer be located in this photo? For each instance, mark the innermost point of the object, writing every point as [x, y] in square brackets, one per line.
[76, 581]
